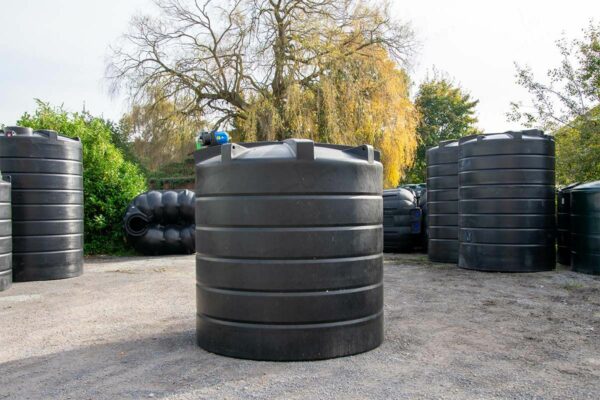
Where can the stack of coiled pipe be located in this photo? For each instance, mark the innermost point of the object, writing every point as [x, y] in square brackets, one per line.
[161, 222]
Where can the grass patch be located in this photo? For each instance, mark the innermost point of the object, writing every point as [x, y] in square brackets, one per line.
[573, 285]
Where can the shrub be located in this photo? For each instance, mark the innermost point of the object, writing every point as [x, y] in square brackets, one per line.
[110, 182]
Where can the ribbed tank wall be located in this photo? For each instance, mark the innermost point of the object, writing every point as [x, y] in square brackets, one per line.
[563, 230]
[585, 228]
[507, 202]
[398, 217]
[47, 203]
[424, 222]
[289, 250]
[442, 202]
[5, 235]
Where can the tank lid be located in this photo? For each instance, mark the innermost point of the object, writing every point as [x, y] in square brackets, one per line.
[588, 187]
[569, 186]
[529, 134]
[299, 149]
[448, 143]
[444, 144]
[399, 190]
[20, 131]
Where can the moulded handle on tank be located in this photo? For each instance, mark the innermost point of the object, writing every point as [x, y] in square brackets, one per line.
[366, 152]
[231, 151]
[50, 134]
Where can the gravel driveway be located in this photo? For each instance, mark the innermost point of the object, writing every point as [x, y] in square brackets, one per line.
[125, 330]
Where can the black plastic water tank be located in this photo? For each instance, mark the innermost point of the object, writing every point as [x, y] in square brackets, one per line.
[401, 220]
[507, 202]
[585, 228]
[289, 250]
[424, 236]
[5, 235]
[161, 222]
[563, 231]
[47, 203]
[442, 202]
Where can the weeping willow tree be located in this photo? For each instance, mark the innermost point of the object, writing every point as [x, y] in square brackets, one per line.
[358, 99]
[273, 69]
[158, 132]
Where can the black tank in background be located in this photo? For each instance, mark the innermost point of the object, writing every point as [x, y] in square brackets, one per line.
[47, 203]
[289, 250]
[5, 235]
[507, 202]
[585, 228]
[424, 236]
[563, 230]
[401, 220]
[442, 202]
[161, 222]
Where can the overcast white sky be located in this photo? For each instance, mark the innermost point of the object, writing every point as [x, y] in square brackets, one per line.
[55, 50]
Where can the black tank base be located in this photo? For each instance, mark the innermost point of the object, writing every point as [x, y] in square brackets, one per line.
[281, 342]
[586, 263]
[5, 280]
[563, 256]
[443, 250]
[27, 269]
[507, 258]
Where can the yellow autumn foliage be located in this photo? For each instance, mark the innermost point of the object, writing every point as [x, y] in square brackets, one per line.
[359, 99]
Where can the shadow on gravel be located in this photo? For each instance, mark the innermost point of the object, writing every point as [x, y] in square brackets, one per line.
[153, 367]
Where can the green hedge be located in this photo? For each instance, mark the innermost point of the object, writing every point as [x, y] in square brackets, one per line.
[110, 181]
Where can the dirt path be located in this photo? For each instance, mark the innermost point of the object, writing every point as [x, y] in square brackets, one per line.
[125, 330]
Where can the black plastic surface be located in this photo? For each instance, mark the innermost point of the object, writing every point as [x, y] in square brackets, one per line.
[161, 222]
[507, 202]
[289, 250]
[5, 235]
[399, 207]
[442, 202]
[585, 228]
[563, 229]
[47, 203]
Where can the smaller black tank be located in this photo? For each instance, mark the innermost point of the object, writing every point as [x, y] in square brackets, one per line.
[423, 237]
[442, 202]
[507, 209]
[162, 222]
[5, 235]
[401, 220]
[563, 232]
[585, 228]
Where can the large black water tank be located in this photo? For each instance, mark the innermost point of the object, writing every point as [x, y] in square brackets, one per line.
[47, 203]
[507, 202]
[563, 230]
[5, 235]
[401, 220]
[442, 202]
[585, 228]
[289, 250]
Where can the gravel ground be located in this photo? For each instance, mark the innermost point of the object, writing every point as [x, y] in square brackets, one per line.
[125, 330]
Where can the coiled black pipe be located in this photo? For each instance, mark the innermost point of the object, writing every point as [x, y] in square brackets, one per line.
[161, 222]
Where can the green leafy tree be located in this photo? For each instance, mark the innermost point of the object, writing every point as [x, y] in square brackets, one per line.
[578, 150]
[110, 182]
[447, 112]
[567, 105]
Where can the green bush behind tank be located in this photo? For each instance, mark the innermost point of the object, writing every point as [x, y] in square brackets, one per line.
[110, 181]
